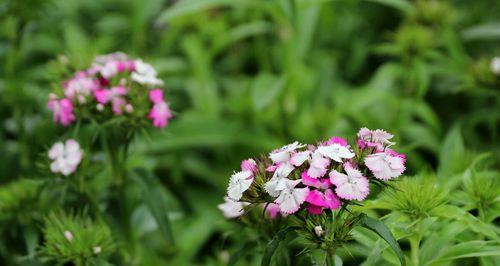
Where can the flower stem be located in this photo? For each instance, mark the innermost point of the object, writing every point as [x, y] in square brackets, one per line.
[415, 250]
[330, 257]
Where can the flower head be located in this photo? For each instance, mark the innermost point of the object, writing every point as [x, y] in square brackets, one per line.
[386, 165]
[160, 112]
[145, 74]
[62, 111]
[239, 183]
[374, 138]
[231, 208]
[318, 166]
[335, 152]
[352, 185]
[290, 197]
[65, 157]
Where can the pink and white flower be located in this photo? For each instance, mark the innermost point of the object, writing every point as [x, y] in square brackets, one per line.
[231, 208]
[113, 95]
[80, 85]
[62, 110]
[239, 183]
[249, 165]
[352, 185]
[65, 157]
[290, 197]
[282, 159]
[386, 165]
[318, 165]
[374, 138]
[275, 185]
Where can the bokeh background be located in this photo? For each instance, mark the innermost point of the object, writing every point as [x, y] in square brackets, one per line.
[246, 76]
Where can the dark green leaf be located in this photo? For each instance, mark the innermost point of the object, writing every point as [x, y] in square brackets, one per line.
[384, 232]
[274, 243]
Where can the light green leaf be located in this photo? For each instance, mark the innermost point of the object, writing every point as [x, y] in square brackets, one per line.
[265, 88]
[487, 31]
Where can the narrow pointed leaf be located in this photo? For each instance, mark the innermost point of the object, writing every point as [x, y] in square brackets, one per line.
[274, 243]
[381, 229]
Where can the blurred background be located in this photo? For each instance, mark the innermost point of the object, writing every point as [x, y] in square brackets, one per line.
[246, 76]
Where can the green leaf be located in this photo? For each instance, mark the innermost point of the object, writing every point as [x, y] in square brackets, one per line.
[274, 243]
[401, 5]
[487, 31]
[245, 249]
[452, 154]
[265, 88]
[379, 227]
[475, 248]
[155, 199]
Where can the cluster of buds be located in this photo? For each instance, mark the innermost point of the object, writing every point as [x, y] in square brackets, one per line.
[114, 85]
[301, 178]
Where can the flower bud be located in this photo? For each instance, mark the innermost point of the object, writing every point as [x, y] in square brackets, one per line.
[129, 108]
[318, 230]
[99, 107]
[97, 250]
[68, 235]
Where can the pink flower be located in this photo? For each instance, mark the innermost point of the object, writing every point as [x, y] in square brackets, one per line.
[337, 140]
[323, 183]
[352, 185]
[386, 165]
[374, 138]
[249, 165]
[62, 111]
[272, 210]
[160, 113]
[115, 95]
[320, 200]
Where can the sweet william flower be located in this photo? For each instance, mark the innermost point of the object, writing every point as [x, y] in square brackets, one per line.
[80, 85]
[273, 210]
[239, 183]
[322, 200]
[290, 197]
[274, 186]
[160, 112]
[145, 74]
[352, 185]
[231, 208]
[62, 110]
[495, 65]
[66, 157]
[335, 152]
[318, 165]
[249, 165]
[385, 165]
[374, 138]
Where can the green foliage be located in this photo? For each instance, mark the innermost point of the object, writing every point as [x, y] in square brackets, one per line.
[246, 77]
[75, 238]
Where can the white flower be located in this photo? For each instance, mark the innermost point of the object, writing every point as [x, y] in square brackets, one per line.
[239, 183]
[377, 137]
[68, 235]
[335, 152]
[385, 166]
[274, 186]
[66, 157]
[109, 69]
[351, 186]
[495, 65]
[97, 249]
[290, 198]
[318, 165]
[299, 158]
[231, 208]
[318, 230]
[145, 74]
[283, 154]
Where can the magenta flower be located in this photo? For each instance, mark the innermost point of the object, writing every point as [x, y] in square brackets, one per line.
[62, 111]
[322, 200]
[160, 113]
[249, 165]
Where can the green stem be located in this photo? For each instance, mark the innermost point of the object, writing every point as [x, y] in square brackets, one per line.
[415, 250]
[330, 257]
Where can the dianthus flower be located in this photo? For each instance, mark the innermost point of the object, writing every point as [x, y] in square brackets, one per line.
[65, 157]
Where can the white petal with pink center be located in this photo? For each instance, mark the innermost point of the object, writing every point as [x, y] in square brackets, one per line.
[318, 165]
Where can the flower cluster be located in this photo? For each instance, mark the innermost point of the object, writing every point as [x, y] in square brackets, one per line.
[317, 177]
[114, 85]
